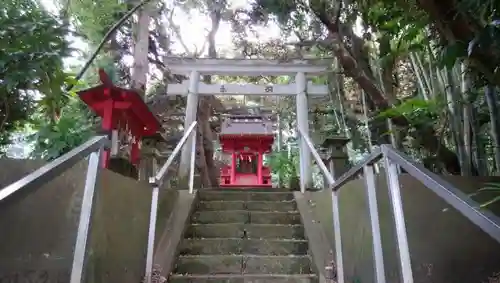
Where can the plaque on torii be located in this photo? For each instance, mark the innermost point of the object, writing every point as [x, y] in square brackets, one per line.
[120, 109]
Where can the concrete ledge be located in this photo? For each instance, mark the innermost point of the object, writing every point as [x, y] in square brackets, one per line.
[172, 234]
[438, 235]
[39, 231]
[319, 246]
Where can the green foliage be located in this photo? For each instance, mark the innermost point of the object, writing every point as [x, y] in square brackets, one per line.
[283, 9]
[31, 53]
[488, 38]
[416, 110]
[450, 54]
[399, 32]
[283, 165]
[492, 188]
[94, 18]
[74, 127]
[487, 13]
[294, 17]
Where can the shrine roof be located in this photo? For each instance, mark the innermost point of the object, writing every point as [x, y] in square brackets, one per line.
[230, 143]
[245, 116]
[255, 127]
[128, 106]
[246, 136]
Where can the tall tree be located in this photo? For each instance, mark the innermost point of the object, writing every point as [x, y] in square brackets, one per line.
[31, 52]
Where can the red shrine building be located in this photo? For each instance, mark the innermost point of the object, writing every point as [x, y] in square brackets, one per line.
[246, 138]
[120, 109]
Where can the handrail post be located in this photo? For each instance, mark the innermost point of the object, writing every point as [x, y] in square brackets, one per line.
[339, 258]
[192, 165]
[371, 193]
[152, 230]
[399, 221]
[156, 181]
[85, 216]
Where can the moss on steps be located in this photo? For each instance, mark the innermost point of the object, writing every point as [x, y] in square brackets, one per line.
[244, 236]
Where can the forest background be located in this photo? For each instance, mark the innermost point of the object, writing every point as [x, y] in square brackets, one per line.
[422, 75]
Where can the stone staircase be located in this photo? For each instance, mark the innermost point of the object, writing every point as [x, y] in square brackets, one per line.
[244, 236]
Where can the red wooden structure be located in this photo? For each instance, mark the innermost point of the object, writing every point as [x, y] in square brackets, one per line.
[247, 138]
[120, 109]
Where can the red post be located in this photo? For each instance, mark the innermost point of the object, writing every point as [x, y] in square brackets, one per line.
[135, 151]
[260, 162]
[233, 167]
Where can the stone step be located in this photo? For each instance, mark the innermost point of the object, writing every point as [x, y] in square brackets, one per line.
[287, 205]
[244, 278]
[253, 189]
[240, 195]
[251, 231]
[242, 216]
[234, 246]
[242, 264]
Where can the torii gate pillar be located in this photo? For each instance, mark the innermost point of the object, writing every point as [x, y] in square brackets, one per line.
[191, 111]
[303, 124]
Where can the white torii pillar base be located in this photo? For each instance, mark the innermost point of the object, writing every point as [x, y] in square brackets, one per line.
[191, 111]
[303, 124]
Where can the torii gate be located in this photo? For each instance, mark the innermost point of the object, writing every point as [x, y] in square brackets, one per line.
[301, 89]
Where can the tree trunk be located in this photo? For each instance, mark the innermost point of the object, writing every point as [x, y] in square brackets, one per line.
[141, 68]
[453, 99]
[491, 99]
[468, 119]
[418, 71]
[478, 154]
[205, 105]
[204, 114]
[424, 132]
[201, 158]
[386, 81]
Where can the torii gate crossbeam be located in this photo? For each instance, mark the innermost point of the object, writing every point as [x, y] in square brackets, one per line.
[246, 67]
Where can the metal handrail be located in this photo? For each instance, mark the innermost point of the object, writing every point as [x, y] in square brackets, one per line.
[486, 220]
[371, 159]
[316, 156]
[335, 206]
[93, 147]
[48, 172]
[156, 181]
[158, 178]
[51, 170]
[393, 160]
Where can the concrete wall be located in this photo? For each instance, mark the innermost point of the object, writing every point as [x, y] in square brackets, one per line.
[37, 234]
[445, 247]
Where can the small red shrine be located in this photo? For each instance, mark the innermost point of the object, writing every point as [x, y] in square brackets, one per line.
[246, 138]
[120, 109]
